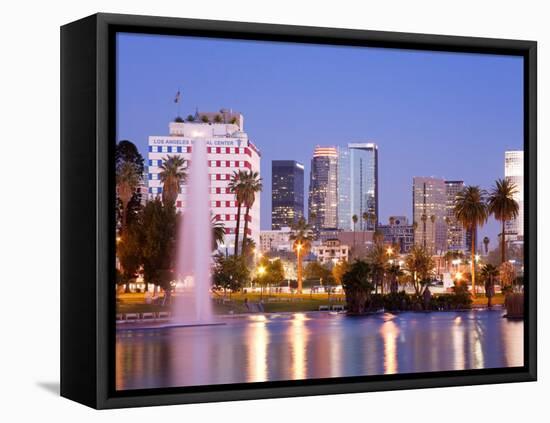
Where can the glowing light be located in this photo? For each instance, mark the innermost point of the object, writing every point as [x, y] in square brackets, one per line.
[389, 250]
[458, 276]
[261, 270]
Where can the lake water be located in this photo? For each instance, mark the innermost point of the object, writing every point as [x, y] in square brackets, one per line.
[259, 348]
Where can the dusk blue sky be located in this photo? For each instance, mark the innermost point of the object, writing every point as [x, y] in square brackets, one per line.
[448, 115]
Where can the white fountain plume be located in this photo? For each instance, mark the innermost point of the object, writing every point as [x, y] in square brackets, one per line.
[192, 304]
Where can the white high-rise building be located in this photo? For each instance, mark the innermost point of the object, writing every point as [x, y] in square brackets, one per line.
[513, 171]
[228, 150]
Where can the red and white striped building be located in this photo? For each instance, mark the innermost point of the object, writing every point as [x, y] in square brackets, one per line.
[228, 150]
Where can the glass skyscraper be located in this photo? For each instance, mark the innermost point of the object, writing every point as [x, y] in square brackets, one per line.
[358, 186]
[287, 189]
[323, 189]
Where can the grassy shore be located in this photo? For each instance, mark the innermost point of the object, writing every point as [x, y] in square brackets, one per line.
[272, 303]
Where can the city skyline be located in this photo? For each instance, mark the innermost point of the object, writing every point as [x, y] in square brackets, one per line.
[464, 105]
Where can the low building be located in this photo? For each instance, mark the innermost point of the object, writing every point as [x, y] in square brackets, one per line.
[359, 242]
[398, 232]
[275, 240]
[331, 251]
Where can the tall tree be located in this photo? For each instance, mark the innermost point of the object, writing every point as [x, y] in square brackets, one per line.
[301, 237]
[218, 232]
[420, 265]
[373, 218]
[433, 219]
[357, 284]
[504, 207]
[489, 274]
[377, 259]
[471, 211]
[394, 273]
[127, 153]
[354, 219]
[127, 181]
[486, 242]
[159, 243]
[424, 218]
[252, 185]
[172, 175]
[366, 218]
[236, 186]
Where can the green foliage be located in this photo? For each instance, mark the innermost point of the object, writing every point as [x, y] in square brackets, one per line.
[129, 168]
[172, 175]
[230, 272]
[218, 119]
[129, 250]
[159, 242]
[315, 270]
[420, 265]
[357, 284]
[461, 297]
[190, 118]
[179, 119]
[204, 118]
[489, 274]
[274, 272]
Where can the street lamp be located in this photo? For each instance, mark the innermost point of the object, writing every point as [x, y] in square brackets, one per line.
[261, 272]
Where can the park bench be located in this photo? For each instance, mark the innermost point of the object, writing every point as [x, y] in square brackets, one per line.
[147, 316]
[163, 315]
[132, 317]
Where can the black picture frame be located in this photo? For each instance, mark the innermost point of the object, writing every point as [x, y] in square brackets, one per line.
[87, 209]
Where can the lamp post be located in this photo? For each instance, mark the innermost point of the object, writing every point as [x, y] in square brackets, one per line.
[299, 264]
[261, 272]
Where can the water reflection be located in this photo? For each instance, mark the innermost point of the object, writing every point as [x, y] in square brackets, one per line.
[298, 346]
[390, 332]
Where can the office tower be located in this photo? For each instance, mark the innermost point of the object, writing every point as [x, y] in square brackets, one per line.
[287, 190]
[228, 150]
[513, 172]
[456, 235]
[429, 212]
[323, 189]
[358, 186]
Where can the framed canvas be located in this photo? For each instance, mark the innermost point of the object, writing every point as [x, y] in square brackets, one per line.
[257, 211]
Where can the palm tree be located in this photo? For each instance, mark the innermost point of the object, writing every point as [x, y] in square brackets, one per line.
[377, 258]
[251, 185]
[301, 238]
[372, 218]
[420, 264]
[432, 219]
[127, 180]
[236, 186]
[424, 218]
[447, 222]
[489, 273]
[504, 207]
[172, 176]
[354, 218]
[471, 211]
[392, 221]
[486, 241]
[218, 232]
[366, 218]
[395, 273]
